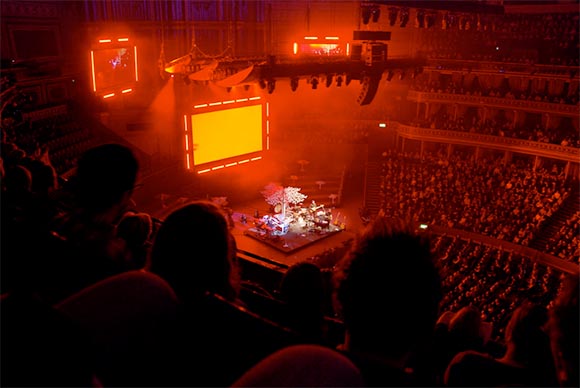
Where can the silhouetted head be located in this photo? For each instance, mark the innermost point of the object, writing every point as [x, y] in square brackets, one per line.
[105, 176]
[466, 323]
[303, 284]
[388, 289]
[195, 252]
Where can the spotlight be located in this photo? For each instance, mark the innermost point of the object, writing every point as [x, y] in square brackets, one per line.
[271, 86]
[339, 81]
[262, 83]
[328, 80]
[294, 83]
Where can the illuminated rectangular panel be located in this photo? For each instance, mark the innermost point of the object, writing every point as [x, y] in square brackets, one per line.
[109, 95]
[104, 40]
[123, 40]
[113, 68]
[226, 133]
[127, 91]
[254, 98]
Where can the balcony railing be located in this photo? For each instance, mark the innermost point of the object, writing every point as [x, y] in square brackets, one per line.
[549, 150]
[496, 102]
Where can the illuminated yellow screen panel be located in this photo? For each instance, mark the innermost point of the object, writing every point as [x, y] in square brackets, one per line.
[226, 133]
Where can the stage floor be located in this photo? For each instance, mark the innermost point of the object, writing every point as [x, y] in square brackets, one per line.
[295, 246]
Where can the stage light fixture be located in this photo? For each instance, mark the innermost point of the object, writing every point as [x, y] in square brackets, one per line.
[421, 18]
[339, 81]
[314, 82]
[294, 83]
[328, 80]
[376, 14]
[366, 14]
[404, 17]
[271, 86]
[393, 14]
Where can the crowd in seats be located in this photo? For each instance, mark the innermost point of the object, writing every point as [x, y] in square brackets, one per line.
[60, 137]
[546, 38]
[487, 86]
[527, 360]
[140, 306]
[566, 243]
[507, 201]
[174, 315]
[564, 135]
[493, 281]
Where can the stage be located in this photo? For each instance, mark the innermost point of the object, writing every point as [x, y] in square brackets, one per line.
[299, 243]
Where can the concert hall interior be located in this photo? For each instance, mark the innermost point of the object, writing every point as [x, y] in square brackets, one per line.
[290, 193]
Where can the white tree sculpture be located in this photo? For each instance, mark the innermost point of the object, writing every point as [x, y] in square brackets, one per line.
[275, 194]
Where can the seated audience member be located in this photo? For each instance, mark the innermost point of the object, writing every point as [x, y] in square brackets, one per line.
[303, 290]
[302, 366]
[42, 347]
[387, 290]
[195, 252]
[564, 328]
[102, 190]
[462, 332]
[135, 230]
[526, 362]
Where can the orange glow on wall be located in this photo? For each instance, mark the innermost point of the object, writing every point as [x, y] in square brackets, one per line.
[226, 133]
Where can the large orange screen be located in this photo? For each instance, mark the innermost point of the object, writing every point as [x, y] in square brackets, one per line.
[226, 133]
